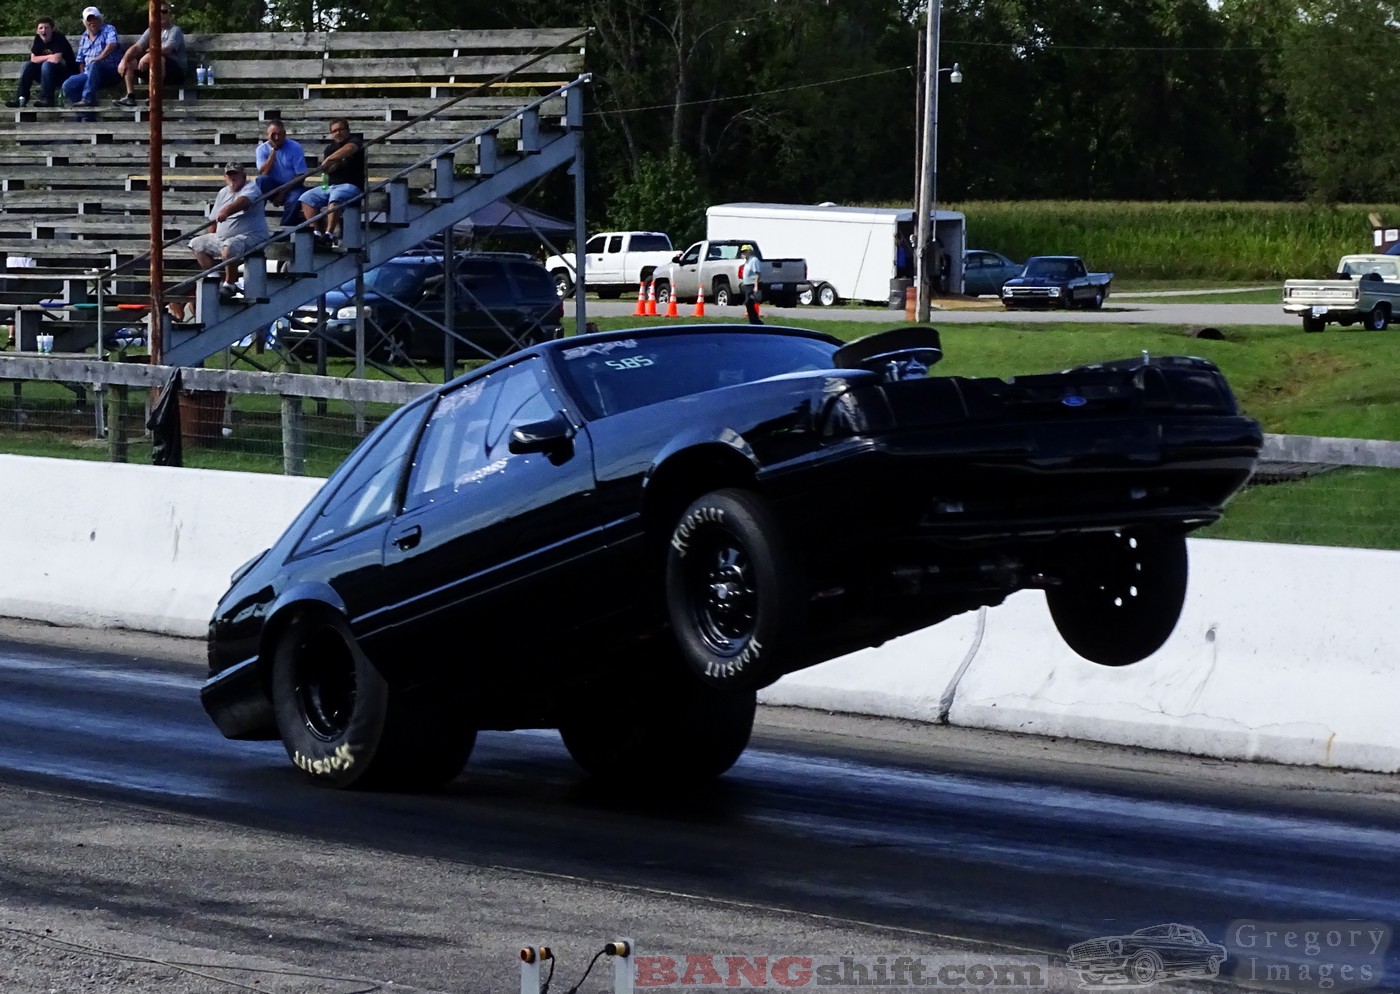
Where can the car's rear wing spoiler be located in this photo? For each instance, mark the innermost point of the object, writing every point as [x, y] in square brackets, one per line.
[900, 354]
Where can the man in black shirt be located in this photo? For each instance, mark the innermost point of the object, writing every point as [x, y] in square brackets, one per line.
[51, 61]
[343, 177]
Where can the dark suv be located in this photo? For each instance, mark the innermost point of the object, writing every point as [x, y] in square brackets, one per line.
[501, 302]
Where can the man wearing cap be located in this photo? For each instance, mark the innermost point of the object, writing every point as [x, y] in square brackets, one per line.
[238, 224]
[51, 61]
[97, 60]
[749, 281]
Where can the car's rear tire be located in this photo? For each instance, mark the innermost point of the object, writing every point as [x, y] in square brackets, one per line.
[733, 591]
[563, 283]
[723, 295]
[1311, 324]
[343, 723]
[664, 724]
[1121, 594]
[1378, 319]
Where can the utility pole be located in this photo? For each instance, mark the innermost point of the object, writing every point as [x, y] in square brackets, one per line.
[924, 271]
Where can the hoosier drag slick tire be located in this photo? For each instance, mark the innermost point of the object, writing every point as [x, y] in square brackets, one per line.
[732, 591]
[343, 723]
[1121, 594]
[670, 725]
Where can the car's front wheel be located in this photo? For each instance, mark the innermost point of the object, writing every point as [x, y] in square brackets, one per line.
[733, 591]
[662, 724]
[1120, 594]
[342, 722]
[663, 292]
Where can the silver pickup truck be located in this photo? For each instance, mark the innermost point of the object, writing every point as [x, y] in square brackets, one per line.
[1366, 290]
[716, 265]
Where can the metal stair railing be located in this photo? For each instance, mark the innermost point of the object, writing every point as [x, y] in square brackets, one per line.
[455, 200]
[160, 321]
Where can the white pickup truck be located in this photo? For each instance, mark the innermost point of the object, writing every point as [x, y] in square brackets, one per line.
[717, 265]
[1366, 291]
[614, 262]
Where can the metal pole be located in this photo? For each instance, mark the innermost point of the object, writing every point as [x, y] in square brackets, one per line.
[155, 171]
[924, 210]
[919, 123]
[580, 240]
[449, 304]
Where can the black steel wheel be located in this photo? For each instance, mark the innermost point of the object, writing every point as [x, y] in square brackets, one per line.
[660, 723]
[1120, 594]
[343, 723]
[733, 591]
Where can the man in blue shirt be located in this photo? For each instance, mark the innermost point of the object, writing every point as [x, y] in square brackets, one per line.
[98, 56]
[280, 160]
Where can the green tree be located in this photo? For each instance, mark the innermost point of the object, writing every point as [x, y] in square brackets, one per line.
[664, 194]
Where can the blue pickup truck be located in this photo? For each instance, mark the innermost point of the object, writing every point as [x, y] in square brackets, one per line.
[1056, 281]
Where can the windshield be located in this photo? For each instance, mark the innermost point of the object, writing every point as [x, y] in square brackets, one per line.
[393, 279]
[1051, 267]
[623, 374]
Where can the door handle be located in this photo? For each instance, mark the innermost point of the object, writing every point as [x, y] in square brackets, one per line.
[408, 539]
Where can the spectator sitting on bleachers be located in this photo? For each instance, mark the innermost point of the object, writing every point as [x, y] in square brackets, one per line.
[280, 160]
[97, 61]
[51, 61]
[238, 224]
[343, 164]
[138, 61]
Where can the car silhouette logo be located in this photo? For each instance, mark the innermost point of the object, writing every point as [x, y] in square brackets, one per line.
[1142, 958]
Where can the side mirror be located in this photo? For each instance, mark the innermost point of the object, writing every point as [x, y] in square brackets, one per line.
[676, 257]
[555, 438]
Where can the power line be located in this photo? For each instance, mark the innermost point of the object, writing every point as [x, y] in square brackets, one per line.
[756, 93]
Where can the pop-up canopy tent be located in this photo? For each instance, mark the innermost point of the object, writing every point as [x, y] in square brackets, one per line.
[507, 219]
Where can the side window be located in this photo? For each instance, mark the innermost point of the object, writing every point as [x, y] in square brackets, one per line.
[594, 245]
[467, 438]
[482, 284]
[367, 493]
[692, 256]
[615, 243]
[976, 260]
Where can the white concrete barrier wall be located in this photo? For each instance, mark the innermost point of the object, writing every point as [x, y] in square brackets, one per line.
[146, 547]
[1284, 653]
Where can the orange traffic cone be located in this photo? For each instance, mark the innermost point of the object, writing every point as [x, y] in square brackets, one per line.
[700, 304]
[671, 311]
[651, 300]
[641, 310]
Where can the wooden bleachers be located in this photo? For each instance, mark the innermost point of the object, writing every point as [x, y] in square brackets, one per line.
[74, 191]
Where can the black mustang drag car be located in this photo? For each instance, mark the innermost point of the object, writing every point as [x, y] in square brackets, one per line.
[624, 535]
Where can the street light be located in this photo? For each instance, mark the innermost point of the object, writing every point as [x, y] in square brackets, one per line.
[928, 176]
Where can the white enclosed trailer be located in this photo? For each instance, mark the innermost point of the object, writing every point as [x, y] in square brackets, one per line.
[851, 249]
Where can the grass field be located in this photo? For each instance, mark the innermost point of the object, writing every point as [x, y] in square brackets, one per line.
[1340, 384]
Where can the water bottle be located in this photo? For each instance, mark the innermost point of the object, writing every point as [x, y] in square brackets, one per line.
[209, 75]
[325, 181]
[201, 75]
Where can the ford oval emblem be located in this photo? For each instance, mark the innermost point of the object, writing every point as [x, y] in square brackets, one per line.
[1073, 400]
